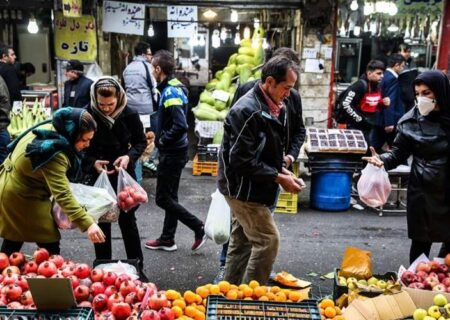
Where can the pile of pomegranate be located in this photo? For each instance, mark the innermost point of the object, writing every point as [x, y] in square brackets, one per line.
[430, 275]
[110, 295]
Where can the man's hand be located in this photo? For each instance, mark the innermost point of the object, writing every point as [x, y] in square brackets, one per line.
[100, 165]
[389, 129]
[288, 182]
[288, 161]
[121, 162]
[386, 101]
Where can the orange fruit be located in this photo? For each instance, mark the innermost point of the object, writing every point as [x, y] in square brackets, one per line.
[179, 303]
[259, 291]
[248, 298]
[232, 294]
[280, 296]
[177, 311]
[330, 312]
[190, 311]
[240, 294]
[172, 294]
[224, 286]
[263, 298]
[326, 303]
[243, 286]
[201, 308]
[271, 296]
[199, 316]
[275, 289]
[233, 286]
[202, 291]
[190, 296]
[214, 289]
[338, 310]
[294, 295]
[339, 317]
[248, 292]
[253, 284]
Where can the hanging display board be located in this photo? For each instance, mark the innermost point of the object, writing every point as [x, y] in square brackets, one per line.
[182, 21]
[122, 17]
[72, 8]
[75, 38]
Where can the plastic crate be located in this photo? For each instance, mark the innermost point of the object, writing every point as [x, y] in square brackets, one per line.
[78, 313]
[204, 167]
[220, 308]
[287, 203]
[339, 290]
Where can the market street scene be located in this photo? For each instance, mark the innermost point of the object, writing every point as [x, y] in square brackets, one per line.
[225, 160]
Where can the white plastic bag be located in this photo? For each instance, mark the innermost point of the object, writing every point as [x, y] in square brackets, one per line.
[218, 221]
[130, 193]
[119, 268]
[102, 182]
[374, 186]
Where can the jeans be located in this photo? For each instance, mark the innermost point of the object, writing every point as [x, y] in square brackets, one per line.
[9, 246]
[138, 171]
[4, 141]
[170, 167]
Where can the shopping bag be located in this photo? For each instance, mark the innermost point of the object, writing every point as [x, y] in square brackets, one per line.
[218, 221]
[103, 182]
[96, 202]
[130, 193]
[374, 186]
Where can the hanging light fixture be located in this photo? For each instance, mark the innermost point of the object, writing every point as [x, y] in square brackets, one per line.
[216, 38]
[356, 31]
[256, 23]
[32, 25]
[392, 9]
[209, 14]
[246, 33]
[369, 8]
[237, 38]
[150, 31]
[354, 5]
[201, 41]
[392, 28]
[223, 33]
[234, 16]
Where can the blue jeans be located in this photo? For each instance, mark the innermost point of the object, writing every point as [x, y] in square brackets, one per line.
[138, 171]
[4, 141]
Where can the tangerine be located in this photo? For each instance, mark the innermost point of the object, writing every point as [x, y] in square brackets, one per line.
[172, 294]
[253, 284]
[190, 311]
[326, 303]
[199, 316]
[330, 312]
[248, 292]
[214, 289]
[179, 303]
[232, 294]
[259, 291]
[280, 297]
[177, 311]
[202, 291]
[224, 286]
[270, 295]
[294, 295]
[263, 298]
[275, 289]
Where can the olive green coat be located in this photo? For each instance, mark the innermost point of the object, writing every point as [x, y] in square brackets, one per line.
[25, 205]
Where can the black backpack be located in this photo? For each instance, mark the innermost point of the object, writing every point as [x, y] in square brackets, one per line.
[339, 114]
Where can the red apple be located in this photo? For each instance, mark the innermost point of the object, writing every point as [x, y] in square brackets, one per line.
[447, 260]
[423, 266]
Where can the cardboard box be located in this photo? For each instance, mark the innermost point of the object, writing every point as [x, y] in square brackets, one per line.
[52, 293]
[384, 307]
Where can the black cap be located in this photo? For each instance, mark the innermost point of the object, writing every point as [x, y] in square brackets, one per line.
[75, 65]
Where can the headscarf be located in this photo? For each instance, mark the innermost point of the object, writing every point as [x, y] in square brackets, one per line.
[438, 82]
[121, 99]
[49, 143]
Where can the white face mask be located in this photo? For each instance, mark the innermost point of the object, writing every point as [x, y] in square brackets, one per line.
[425, 105]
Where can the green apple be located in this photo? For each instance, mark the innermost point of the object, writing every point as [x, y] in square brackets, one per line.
[363, 282]
[351, 279]
[381, 284]
[447, 309]
[342, 281]
[440, 300]
[434, 312]
[372, 280]
[429, 318]
[441, 318]
[420, 314]
[351, 285]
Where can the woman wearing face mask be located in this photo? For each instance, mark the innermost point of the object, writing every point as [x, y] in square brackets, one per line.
[424, 133]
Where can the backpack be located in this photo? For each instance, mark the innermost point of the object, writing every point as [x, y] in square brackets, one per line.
[339, 114]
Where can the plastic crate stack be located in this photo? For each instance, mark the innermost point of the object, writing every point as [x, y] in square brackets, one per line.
[206, 161]
[79, 313]
[288, 202]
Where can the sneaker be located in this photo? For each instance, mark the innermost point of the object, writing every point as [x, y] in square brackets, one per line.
[220, 275]
[150, 166]
[199, 240]
[158, 244]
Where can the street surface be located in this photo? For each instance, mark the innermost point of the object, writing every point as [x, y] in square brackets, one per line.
[311, 241]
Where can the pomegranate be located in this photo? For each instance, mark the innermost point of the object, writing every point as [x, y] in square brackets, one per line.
[10, 278]
[121, 278]
[26, 299]
[67, 270]
[57, 259]
[17, 259]
[14, 305]
[13, 292]
[150, 315]
[4, 261]
[30, 267]
[47, 269]
[97, 275]
[158, 301]
[68, 263]
[10, 269]
[141, 290]
[41, 255]
[127, 287]
[109, 278]
[86, 282]
[110, 290]
[121, 310]
[97, 288]
[114, 298]
[82, 271]
[100, 302]
[81, 293]
[74, 281]
[166, 314]
[131, 298]
[22, 282]
[86, 304]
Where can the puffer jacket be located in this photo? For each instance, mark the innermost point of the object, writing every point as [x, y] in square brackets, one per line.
[251, 154]
[428, 205]
[137, 87]
[5, 106]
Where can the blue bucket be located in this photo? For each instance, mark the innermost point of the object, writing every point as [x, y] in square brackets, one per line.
[331, 190]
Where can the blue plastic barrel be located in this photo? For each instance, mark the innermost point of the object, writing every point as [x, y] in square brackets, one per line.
[331, 190]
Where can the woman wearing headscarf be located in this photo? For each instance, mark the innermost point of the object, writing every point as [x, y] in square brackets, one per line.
[118, 143]
[424, 133]
[41, 162]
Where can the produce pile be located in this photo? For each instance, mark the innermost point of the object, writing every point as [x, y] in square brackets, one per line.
[430, 275]
[439, 310]
[214, 106]
[27, 117]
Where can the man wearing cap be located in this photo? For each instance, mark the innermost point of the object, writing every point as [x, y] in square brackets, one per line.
[77, 87]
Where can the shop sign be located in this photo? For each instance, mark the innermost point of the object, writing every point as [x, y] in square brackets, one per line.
[72, 8]
[123, 17]
[181, 21]
[75, 38]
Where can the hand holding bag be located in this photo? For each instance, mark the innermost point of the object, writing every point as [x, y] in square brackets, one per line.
[374, 186]
[130, 193]
[103, 182]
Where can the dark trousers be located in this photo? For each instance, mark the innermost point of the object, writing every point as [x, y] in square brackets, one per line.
[130, 235]
[9, 246]
[419, 247]
[170, 167]
[378, 137]
[4, 141]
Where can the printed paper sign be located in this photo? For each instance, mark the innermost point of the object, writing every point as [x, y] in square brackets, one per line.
[72, 8]
[181, 21]
[123, 17]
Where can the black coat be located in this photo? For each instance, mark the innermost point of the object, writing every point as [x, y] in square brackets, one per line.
[428, 204]
[126, 137]
[9, 74]
[82, 87]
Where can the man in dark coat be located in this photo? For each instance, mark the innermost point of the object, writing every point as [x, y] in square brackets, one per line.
[5, 108]
[406, 77]
[9, 73]
[77, 87]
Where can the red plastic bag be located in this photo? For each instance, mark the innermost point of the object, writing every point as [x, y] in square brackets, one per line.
[61, 219]
[130, 193]
[374, 186]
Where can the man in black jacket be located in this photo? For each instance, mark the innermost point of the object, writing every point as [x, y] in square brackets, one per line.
[5, 108]
[172, 142]
[406, 77]
[77, 88]
[9, 73]
[251, 171]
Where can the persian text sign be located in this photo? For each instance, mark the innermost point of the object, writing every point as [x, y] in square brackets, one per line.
[75, 38]
[123, 17]
[181, 21]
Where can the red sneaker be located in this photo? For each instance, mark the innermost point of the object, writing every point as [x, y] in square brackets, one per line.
[158, 244]
[199, 241]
